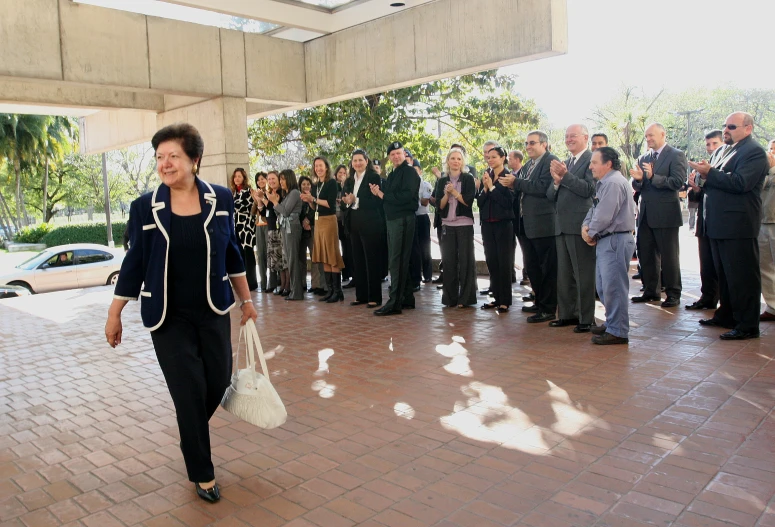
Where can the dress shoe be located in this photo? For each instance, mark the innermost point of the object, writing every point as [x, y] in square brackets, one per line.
[712, 322]
[439, 279]
[484, 292]
[636, 276]
[699, 304]
[671, 301]
[357, 303]
[540, 317]
[502, 309]
[372, 305]
[529, 298]
[766, 317]
[416, 288]
[211, 495]
[279, 291]
[583, 328]
[645, 298]
[562, 322]
[524, 281]
[597, 330]
[491, 305]
[606, 339]
[387, 311]
[530, 309]
[736, 334]
[285, 292]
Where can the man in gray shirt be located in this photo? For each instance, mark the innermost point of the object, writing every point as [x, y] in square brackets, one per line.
[608, 226]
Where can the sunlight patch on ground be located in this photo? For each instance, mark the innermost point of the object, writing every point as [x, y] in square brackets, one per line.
[403, 410]
[323, 356]
[325, 390]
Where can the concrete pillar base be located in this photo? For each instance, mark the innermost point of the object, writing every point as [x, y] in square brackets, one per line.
[223, 124]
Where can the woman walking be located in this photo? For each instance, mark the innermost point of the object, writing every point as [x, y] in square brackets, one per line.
[244, 222]
[326, 245]
[183, 261]
[455, 193]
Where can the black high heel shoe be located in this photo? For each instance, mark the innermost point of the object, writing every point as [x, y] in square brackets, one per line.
[211, 495]
[336, 297]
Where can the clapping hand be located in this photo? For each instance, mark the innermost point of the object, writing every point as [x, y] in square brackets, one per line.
[558, 171]
[636, 173]
[487, 181]
[702, 168]
[648, 169]
[375, 190]
[349, 199]
[306, 197]
[507, 180]
[693, 181]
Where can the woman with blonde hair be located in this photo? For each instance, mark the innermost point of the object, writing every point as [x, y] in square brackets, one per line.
[326, 245]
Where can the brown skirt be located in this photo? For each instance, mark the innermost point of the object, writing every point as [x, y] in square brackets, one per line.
[325, 248]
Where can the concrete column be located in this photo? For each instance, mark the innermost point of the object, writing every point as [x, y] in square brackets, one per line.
[223, 124]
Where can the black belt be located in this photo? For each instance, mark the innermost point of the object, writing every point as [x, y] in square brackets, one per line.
[610, 233]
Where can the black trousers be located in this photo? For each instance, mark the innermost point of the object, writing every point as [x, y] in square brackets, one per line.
[194, 351]
[344, 238]
[541, 264]
[249, 257]
[498, 239]
[457, 252]
[421, 264]
[740, 282]
[367, 248]
[658, 254]
[708, 276]
[400, 234]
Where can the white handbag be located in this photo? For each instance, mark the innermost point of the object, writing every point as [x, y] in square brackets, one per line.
[251, 396]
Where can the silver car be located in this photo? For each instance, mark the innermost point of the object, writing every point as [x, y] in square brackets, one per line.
[67, 267]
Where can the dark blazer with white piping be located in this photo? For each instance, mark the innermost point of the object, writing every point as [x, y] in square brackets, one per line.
[144, 270]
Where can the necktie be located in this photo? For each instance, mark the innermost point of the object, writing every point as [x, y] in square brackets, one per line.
[654, 156]
[572, 162]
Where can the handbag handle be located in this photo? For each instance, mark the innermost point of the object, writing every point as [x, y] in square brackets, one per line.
[252, 331]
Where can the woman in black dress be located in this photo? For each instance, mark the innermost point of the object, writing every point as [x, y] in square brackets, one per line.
[367, 230]
[342, 222]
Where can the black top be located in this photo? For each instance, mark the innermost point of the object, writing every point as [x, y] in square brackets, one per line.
[497, 204]
[401, 191]
[467, 192]
[271, 216]
[328, 192]
[187, 271]
[307, 213]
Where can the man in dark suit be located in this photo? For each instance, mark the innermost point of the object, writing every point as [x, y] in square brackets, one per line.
[572, 190]
[658, 176]
[708, 277]
[537, 220]
[732, 186]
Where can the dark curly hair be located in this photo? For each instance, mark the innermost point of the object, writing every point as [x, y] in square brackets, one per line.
[609, 154]
[185, 134]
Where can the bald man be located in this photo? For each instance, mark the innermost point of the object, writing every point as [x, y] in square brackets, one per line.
[732, 185]
[572, 190]
[659, 174]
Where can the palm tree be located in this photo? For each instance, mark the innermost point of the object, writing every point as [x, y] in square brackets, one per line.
[21, 138]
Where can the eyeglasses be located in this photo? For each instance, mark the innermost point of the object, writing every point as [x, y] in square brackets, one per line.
[734, 126]
[531, 143]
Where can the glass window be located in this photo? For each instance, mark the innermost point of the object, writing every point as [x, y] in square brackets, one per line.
[90, 256]
[60, 260]
[186, 14]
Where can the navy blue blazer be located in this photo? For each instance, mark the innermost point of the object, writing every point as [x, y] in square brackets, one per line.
[144, 270]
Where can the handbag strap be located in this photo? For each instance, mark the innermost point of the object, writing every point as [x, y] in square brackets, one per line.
[252, 331]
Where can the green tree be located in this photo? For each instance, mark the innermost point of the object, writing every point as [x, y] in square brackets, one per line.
[22, 137]
[471, 107]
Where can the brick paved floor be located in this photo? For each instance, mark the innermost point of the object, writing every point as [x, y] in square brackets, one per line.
[438, 417]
